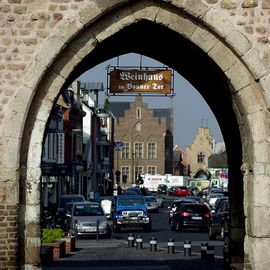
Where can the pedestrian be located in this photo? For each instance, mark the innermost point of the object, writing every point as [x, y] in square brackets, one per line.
[91, 195]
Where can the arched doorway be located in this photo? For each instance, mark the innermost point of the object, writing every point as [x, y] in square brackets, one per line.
[183, 41]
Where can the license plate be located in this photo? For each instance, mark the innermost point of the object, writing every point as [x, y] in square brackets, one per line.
[90, 230]
[196, 218]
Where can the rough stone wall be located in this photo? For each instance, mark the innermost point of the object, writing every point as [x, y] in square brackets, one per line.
[24, 27]
[252, 18]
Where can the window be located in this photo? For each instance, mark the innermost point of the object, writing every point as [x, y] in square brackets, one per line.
[151, 150]
[125, 151]
[51, 142]
[200, 157]
[138, 113]
[138, 170]
[138, 150]
[151, 170]
[125, 173]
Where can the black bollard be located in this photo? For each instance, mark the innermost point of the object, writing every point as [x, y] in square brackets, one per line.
[210, 254]
[203, 250]
[187, 248]
[97, 230]
[153, 244]
[226, 252]
[139, 242]
[171, 246]
[130, 240]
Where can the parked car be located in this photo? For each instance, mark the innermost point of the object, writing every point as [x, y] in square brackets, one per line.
[85, 217]
[162, 188]
[160, 201]
[190, 215]
[182, 191]
[219, 222]
[68, 198]
[171, 190]
[151, 203]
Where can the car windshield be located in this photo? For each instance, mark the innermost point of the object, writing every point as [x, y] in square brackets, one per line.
[88, 210]
[130, 201]
[64, 200]
[150, 199]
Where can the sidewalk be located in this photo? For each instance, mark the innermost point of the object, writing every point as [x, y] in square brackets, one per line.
[116, 255]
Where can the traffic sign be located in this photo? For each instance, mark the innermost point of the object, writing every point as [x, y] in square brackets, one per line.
[118, 145]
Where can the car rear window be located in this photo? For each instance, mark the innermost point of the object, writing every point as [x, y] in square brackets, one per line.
[195, 208]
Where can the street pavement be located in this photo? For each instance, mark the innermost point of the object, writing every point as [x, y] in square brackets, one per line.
[114, 254]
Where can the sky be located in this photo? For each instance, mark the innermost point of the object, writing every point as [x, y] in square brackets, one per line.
[190, 110]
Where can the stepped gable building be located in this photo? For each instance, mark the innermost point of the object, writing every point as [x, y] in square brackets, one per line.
[198, 152]
[147, 137]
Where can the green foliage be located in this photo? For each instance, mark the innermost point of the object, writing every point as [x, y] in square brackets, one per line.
[51, 235]
[106, 105]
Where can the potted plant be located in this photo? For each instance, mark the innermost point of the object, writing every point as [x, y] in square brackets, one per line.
[53, 237]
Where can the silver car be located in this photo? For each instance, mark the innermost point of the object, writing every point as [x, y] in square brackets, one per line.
[151, 203]
[88, 218]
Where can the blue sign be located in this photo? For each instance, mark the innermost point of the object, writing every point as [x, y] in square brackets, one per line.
[118, 144]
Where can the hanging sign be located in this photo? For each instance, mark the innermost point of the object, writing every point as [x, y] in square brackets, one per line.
[154, 81]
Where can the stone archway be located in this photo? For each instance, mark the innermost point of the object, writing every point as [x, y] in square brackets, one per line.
[201, 40]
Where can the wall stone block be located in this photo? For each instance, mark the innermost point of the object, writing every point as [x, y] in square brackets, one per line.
[218, 22]
[239, 76]
[254, 63]
[228, 4]
[46, 56]
[89, 13]
[144, 10]
[239, 42]
[196, 8]
[217, 54]
[203, 39]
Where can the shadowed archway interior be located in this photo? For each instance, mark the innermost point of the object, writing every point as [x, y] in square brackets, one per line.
[168, 47]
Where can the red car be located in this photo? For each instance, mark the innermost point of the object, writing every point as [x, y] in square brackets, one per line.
[182, 191]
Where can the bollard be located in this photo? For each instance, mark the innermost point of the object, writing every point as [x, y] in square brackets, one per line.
[97, 231]
[187, 248]
[171, 246]
[226, 251]
[203, 250]
[210, 254]
[139, 242]
[130, 240]
[153, 244]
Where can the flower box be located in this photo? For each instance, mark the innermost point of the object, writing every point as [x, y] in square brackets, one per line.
[46, 254]
[70, 243]
[59, 248]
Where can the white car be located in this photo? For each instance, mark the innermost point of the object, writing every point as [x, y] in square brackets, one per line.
[213, 197]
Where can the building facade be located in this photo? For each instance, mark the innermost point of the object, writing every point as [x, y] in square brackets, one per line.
[198, 152]
[147, 140]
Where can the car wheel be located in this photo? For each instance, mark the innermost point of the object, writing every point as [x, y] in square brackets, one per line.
[172, 225]
[211, 234]
[108, 235]
[116, 227]
[178, 226]
[147, 227]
